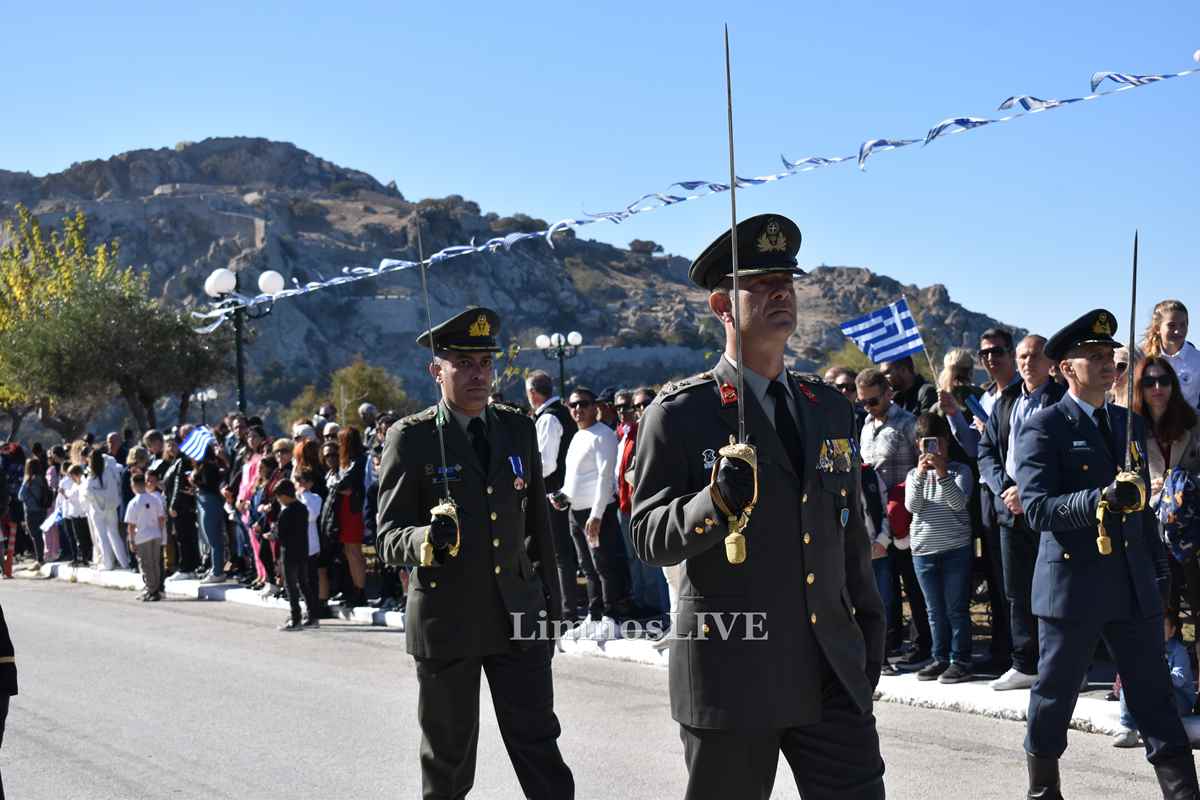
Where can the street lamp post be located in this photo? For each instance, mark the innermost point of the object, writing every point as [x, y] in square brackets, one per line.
[204, 397]
[557, 346]
[224, 282]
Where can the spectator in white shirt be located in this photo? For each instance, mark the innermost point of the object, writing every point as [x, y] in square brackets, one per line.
[1166, 336]
[555, 427]
[74, 510]
[589, 489]
[146, 520]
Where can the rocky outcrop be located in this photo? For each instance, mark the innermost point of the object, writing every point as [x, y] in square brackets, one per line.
[253, 204]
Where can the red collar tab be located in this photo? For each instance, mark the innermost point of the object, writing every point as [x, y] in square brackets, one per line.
[728, 394]
[807, 392]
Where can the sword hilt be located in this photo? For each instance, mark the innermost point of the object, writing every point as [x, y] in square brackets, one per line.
[446, 508]
[735, 540]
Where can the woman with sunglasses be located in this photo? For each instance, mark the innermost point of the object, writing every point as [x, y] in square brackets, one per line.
[1174, 441]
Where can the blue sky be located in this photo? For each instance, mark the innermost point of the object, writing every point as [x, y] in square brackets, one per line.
[556, 108]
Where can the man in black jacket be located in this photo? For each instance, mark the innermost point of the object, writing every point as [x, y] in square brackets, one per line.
[912, 392]
[1018, 542]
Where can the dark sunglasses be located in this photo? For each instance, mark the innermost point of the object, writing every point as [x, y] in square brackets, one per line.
[992, 352]
[845, 387]
[1159, 381]
[643, 405]
[624, 407]
[871, 402]
[580, 404]
[1122, 366]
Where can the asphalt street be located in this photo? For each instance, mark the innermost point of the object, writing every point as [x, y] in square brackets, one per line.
[193, 699]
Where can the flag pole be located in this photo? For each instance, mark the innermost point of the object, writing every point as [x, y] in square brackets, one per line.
[928, 358]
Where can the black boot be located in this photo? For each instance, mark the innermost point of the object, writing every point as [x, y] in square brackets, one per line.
[1043, 778]
[1177, 778]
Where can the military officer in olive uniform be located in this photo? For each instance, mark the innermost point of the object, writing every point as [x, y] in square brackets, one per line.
[484, 592]
[782, 651]
[1068, 457]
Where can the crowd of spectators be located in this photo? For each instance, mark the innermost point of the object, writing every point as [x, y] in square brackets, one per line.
[294, 516]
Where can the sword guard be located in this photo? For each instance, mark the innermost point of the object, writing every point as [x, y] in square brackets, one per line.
[446, 508]
[1128, 476]
[735, 541]
[1103, 542]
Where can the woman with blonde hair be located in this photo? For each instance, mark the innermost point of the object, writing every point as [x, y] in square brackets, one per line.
[1166, 336]
[958, 365]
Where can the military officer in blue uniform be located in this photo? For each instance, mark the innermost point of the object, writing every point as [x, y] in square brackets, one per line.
[484, 594]
[1101, 568]
[778, 653]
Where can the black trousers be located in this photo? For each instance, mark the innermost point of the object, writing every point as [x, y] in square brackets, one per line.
[605, 565]
[300, 575]
[522, 691]
[1019, 549]
[82, 537]
[567, 560]
[835, 759]
[992, 564]
[186, 529]
[1185, 577]
[902, 570]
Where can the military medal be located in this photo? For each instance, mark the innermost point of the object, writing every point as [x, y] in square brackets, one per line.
[518, 469]
[845, 516]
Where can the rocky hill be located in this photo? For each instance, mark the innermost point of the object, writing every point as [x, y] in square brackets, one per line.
[253, 204]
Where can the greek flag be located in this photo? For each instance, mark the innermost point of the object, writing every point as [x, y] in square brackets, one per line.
[197, 442]
[887, 334]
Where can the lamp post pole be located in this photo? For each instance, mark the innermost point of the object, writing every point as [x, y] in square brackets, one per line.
[562, 372]
[238, 325]
[224, 282]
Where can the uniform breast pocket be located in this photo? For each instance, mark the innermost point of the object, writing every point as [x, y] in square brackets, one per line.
[835, 491]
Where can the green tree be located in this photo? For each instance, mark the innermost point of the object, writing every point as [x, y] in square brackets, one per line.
[76, 329]
[350, 387]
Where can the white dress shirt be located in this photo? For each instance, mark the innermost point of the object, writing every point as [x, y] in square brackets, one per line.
[590, 483]
[549, 434]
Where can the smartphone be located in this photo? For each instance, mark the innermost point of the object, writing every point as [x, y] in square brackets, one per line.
[976, 408]
[930, 445]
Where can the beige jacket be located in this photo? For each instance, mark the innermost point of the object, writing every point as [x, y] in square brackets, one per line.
[1185, 453]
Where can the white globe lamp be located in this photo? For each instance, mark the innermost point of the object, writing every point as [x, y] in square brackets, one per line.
[542, 341]
[575, 338]
[270, 282]
[223, 281]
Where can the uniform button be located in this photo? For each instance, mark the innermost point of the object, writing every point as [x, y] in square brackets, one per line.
[698, 529]
[490, 490]
[813, 618]
[705, 629]
[1067, 556]
[433, 584]
[843, 492]
[708, 521]
[495, 542]
[811, 579]
[808, 538]
[852, 611]
[804, 498]
[493, 516]
[497, 569]
[1085, 467]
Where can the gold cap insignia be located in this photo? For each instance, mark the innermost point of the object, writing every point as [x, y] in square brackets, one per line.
[772, 239]
[1102, 326]
[480, 327]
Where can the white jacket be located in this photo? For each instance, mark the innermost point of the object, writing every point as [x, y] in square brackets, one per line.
[103, 496]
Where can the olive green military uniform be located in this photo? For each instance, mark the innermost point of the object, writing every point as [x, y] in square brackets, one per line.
[780, 652]
[486, 609]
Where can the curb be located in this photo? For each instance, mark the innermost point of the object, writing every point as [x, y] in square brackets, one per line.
[1092, 715]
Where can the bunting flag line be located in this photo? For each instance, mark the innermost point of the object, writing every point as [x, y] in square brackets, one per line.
[692, 190]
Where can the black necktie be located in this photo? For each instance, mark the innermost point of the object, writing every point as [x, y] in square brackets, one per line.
[478, 433]
[1101, 417]
[785, 426]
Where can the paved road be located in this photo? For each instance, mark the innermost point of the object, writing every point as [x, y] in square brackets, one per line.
[188, 699]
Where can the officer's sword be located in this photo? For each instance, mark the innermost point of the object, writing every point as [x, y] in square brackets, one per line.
[446, 507]
[735, 541]
[1129, 472]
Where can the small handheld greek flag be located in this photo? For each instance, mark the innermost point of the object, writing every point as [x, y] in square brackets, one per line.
[197, 442]
[887, 334]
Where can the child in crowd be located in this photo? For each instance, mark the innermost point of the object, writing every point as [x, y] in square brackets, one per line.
[70, 488]
[937, 492]
[1183, 684]
[292, 532]
[146, 521]
[35, 496]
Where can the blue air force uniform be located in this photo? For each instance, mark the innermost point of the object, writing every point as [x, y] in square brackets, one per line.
[1064, 461]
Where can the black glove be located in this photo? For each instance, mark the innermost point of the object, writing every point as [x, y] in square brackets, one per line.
[735, 482]
[873, 670]
[443, 533]
[1122, 496]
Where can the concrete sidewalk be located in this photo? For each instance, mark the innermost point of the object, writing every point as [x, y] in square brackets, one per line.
[1093, 714]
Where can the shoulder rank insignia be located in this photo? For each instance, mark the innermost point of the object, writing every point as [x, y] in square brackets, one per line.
[728, 394]
[807, 392]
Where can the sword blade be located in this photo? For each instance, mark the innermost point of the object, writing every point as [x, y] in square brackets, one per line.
[733, 243]
[1129, 356]
[433, 354]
